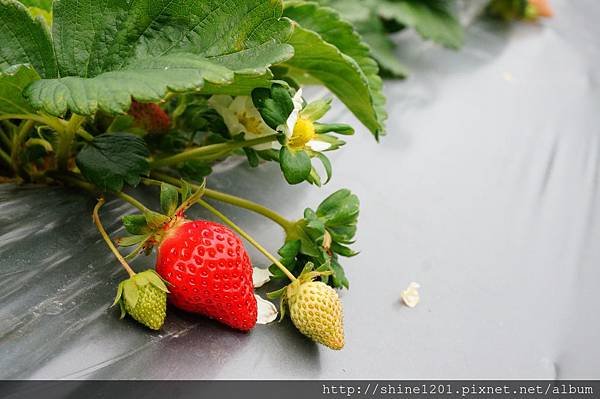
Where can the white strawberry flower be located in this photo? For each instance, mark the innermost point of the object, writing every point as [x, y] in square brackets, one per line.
[301, 131]
[241, 116]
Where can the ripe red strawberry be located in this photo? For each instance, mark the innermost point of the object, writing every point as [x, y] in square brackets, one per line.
[542, 8]
[209, 272]
[150, 117]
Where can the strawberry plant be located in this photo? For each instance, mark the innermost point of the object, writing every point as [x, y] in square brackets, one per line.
[376, 20]
[434, 20]
[104, 96]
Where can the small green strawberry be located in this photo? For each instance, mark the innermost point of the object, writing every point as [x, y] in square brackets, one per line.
[316, 310]
[144, 297]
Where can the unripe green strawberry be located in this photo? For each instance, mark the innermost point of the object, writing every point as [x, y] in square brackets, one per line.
[144, 297]
[316, 311]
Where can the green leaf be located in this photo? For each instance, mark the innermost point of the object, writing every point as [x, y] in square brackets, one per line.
[290, 249]
[146, 80]
[274, 104]
[130, 292]
[122, 123]
[339, 276]
[326, 165]
[307, 245]
[128, 241]
[155, 279]
[195, 169]
[140, 280]
[354, 11]
[25, 40]
[169, 198]
[276, 294]
[186, 190]
[433, 19]
[382, 47]
[316, 109]
[508, 10]
[339, 128]
[339, 207]
[314, 177]
[155, 219]
[330, 50]
[45, 5]
[340, 213]
[119, 294]
[108, 51]
[343, 250]
[111, 160]
[105, 35]
[135, 224]
[13, 80]
[252, 156]
[295, 165]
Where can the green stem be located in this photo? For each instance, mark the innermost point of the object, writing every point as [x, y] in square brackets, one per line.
[132, 201]
[75, 181]
[251, 206]
[5, 140]
[84, 134]
[209, 150]
[248, 237]
[65, 142]
[287, 225]
[4, 156]
[107, 239]
[18, 138]
[138, 249]
[8, 125]
[55, 123]
[41, 142]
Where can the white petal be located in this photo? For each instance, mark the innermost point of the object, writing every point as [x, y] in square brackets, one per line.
[220, 100]
[221, 104]
[297, 100]
[293, 118]
[267, 312]
[239, 104]
[275, 145]
[260, 276]
[410, 296]
[318, 146]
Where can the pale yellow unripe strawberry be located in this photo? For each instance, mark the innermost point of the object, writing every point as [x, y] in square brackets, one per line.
[316, 311]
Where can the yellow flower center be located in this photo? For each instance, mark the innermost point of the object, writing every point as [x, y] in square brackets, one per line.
[252, 124]
[304, 131]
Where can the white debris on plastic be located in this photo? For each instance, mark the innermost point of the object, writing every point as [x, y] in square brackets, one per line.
[260, 276]
[410, 296]
[267, 312]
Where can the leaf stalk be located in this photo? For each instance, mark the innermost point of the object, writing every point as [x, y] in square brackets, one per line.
[106, 238]
[209, 151]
